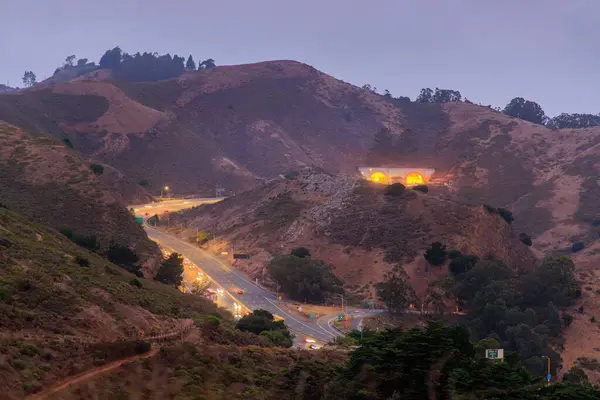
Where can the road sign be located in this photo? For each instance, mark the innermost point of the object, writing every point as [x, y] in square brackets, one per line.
[241, 256]
[341, 317]
[494, 354]
[312, 315]
[140, 220]
[549, 377]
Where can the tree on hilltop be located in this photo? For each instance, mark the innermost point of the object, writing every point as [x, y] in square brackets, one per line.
[190, 65]
[69, 61]
[526, 110]
[207, 64]
[112, 58]
[29, 79]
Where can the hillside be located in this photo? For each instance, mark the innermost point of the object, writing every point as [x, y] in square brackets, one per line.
[44, 179]
[237, 126]
[64, 310]
[354, 226]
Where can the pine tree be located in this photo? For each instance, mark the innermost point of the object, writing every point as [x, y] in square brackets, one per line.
[190, 65]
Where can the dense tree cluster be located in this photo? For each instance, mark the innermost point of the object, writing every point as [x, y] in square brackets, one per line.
[262, 323]
[565, 120]
[428, 96]
[171, 270]
[147, 67]
[520, 309]
[303, 278]
[439, 361]
[526, 110]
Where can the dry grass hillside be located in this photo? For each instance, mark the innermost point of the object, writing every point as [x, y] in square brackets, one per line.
[44, 179]
[355, 227]
[64, 310]
[238, 126]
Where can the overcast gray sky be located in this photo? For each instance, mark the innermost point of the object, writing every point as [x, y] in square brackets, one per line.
[492, 51]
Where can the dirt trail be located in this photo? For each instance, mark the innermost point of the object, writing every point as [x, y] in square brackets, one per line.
[89, 374]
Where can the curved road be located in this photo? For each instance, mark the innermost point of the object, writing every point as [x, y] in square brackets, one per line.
[254, 296]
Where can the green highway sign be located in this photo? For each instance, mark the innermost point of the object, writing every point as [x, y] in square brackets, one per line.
[140, 220]
[494, 354]
[341, 317]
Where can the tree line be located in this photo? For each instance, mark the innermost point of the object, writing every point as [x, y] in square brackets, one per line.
[138, 67]
[518, 107]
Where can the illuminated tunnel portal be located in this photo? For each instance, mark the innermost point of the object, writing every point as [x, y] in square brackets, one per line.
[389, 175]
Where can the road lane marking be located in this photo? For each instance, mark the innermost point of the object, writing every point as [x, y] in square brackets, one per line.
[294, 319]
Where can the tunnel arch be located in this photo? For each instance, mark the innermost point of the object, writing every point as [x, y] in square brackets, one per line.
[379, 177]
[414, 178]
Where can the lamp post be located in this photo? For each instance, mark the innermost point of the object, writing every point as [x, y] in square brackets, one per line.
[166, 189]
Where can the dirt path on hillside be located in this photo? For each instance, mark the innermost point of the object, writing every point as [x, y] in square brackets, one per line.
[90, 374]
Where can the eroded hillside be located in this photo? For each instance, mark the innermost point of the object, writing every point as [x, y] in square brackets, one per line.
[354, 226]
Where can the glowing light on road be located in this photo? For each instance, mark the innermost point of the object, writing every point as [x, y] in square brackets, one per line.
[219, 291]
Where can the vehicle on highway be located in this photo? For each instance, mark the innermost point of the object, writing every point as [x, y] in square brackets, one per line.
[309, 340]
[239, 291]
[314, 347]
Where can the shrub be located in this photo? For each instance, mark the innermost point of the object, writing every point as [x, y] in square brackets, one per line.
[526, 239]
[144, 183]
[97, 169]
[567, 319]
[301, 252]
[463, 263]
[436, 254]
[82, 261]
[2, 205]
[68, 142]
[577, 246]
[67, 232]
[123, 257]
[421, 188]
[142, 347]
[135, 282]
[5, 295]
[580, 310]
[593, 319]
[395, 189]
[452, 254]
[110, 270]
[506, 215]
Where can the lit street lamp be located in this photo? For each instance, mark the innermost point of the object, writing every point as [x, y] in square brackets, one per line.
[166, 189]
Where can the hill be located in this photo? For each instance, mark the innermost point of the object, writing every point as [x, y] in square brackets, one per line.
[64, 309]
[354, 226]
[238, 126]
[43, 178]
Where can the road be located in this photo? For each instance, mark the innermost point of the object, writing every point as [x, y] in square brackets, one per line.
[230, 280]
[173, 205]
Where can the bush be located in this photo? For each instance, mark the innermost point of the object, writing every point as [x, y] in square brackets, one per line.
[506, 215]
[301, 252]
[82, 261]
[421, 188]
[123, 257]
[2, 205]
[526, 239]
[463, 263]
[135, 282]
[67, 232]
[261, 322]
[395, 189]
[142, 347]
[68, 142]
[490, 209]
[452, 254]
[144, 183]
[567, 319]
[97, 169]
[436, 254]
[577, 246]
[593, 319]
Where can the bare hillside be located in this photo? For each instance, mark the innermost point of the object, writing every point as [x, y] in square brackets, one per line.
[354, 226]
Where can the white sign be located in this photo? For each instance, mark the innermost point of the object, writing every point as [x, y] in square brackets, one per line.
[494, 354]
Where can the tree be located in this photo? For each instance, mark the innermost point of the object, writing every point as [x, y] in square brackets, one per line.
[29, 79]
[304, 279]
[198, 287]
[387, 94]
[190, 65]
[506, 215]
[425, 97]
[526, 110]
[446, 96]
[526, 239]
[262, 322]
[576, 375]
[124, 257]
[395, 292]
[395, 189]
[171, 270]
[69, 61]
[301, 252]
[81, 62]
[112, 58]
[574, 121]
[207, 64]
[436, 254]
[462, 263]
[97, 169]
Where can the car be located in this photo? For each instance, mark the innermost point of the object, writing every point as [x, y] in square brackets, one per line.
[309, 340]
[239, 291]
[314, 347]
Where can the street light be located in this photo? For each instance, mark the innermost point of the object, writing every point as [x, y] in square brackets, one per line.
[166, 189]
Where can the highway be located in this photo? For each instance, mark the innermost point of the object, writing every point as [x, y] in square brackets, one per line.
[230, 280]
[171, 205]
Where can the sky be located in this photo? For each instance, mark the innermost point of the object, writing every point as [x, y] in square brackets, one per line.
[491, 51]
